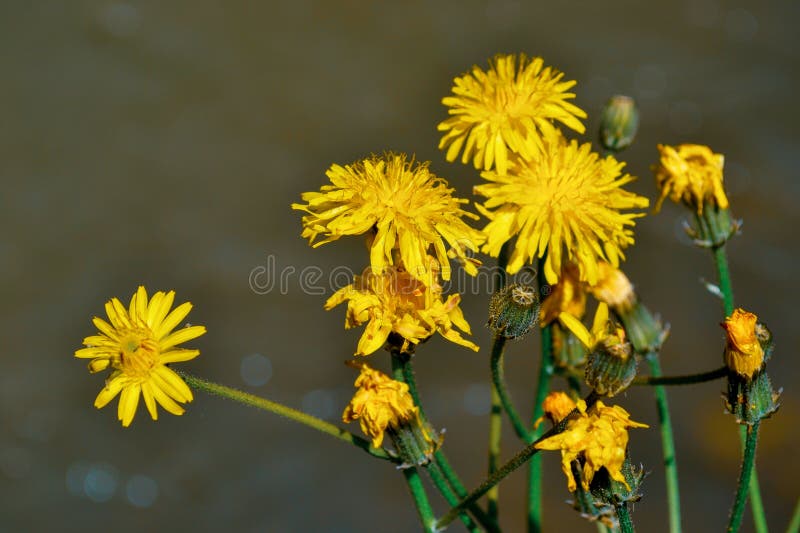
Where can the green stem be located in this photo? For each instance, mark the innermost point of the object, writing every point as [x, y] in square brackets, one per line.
[624, 516]
[794, 523]
[441, 483]
[542, 388]
[403, 370]
[688, 379]
[668, 447]
[518, 460]
[286, 412]
[498, 380]
[748, 464]
[726, 287]
[424, 509]
[496, 409]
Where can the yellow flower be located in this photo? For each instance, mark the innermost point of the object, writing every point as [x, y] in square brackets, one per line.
[567, 296]
[402, 203]
[396, 302]
[691, 173]
[562, 197]
[504, 110]
[743, 352]
[600, 327]
[137, 345]
[379, 403]
[614, 288]
[557, 405]
[598, 438]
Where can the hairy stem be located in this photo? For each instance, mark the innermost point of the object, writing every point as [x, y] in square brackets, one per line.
[748, 463]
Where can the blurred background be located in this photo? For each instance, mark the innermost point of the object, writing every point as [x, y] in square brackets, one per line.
[162, 143]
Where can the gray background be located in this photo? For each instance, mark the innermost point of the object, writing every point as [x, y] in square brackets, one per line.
[162, 143]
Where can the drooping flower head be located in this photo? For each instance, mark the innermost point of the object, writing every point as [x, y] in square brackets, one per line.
[136, 344]
[692, 174]
[743, 351]
[405, 207]
[384, 406]
[505, 109]
[396, 302]
[562, 199]
[598, 438]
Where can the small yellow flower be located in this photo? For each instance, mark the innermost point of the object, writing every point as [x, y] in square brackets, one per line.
[690, 173]
[557, 405]
[504, 110]
[137, 345]
[379, 403]
[604, 332]
[396, 302]
[402, 203]
[613, 287]
[743, 352]
[599, 438]
[561, 199]
[567, 296]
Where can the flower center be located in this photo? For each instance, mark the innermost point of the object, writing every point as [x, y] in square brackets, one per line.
[138, 352]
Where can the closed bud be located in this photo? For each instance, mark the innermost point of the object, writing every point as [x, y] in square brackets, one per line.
[611, 365]
[513, 310]
[619, 123]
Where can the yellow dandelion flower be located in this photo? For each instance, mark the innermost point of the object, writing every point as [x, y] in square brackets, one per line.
[563, 198]
[505, 109]
[566, 296]
[137, 344]
[403, 203]
[598, 438]
[379, 403]
[743, 351]
[690, 173]
[396, 302]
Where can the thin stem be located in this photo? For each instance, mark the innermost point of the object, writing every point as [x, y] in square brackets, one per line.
[794, 523]
[498, 380]
[542, 388]
[668, 448]
[518, 460]
[286, 412]
[495, 437]
[688, 379]
[417, 490]
[624, 516]
[726, 287]
[748, 463]
[441, 483]
[403, 370]
[496, 409]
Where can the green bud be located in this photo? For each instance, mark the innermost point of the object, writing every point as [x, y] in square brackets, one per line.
[606, 490]
[619, 123]
[751, 399]
[415, 442]
[713, 228]
[513, 310]
[644, 331]
[611, 366]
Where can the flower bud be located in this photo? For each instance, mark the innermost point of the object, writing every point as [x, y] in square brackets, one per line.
[619, 123]
[611, 366]
[557, 405]
[748, 344]
[743, 352]
[513, 310]
[385, 406]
